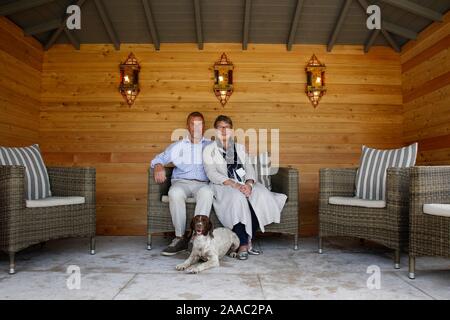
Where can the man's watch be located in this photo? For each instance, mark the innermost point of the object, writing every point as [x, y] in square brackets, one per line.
[251, 184]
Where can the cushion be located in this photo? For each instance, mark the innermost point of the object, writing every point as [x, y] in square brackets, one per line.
[263, 169]
[36, 176]
[357, 202]
[54, 202]
[165, 199]
[442, 210]
[371, 175]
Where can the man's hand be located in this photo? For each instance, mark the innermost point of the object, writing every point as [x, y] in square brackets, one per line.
[159, 173]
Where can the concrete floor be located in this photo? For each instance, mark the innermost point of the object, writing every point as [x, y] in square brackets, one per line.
[124, 269]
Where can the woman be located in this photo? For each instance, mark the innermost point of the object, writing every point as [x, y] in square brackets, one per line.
[240, 203]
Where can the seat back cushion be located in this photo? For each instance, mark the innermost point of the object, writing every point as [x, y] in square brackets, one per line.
[36, 176]
[371, 175]
[262, 165]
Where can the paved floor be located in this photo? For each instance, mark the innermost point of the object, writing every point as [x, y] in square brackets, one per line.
[124, 269]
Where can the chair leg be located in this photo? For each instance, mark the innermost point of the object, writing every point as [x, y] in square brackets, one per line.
[412, 267]
[149, 241]
[296, 241]
[320, 245]
[12, 263]
[92, 245]
[397, 259]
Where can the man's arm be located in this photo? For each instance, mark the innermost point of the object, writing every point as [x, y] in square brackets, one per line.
[160, 161]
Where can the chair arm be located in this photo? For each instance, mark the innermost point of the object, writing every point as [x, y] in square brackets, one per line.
[430, 184]
[12, 188]
[69, 182]
[337, 182]
[156, 190]
[286, 181]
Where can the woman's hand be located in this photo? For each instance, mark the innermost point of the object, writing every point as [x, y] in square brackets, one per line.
[246, 190]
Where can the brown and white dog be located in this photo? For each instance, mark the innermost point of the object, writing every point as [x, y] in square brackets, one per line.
[209, 245]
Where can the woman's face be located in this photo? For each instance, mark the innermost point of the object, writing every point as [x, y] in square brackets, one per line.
[224, 131]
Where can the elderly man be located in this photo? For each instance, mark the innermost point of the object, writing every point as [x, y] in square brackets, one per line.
[188, 179]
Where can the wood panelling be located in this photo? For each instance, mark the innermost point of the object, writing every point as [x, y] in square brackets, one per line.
[426, 93]
[20, 86]
[84, 120]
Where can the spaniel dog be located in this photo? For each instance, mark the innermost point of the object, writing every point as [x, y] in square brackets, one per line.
[209, 245]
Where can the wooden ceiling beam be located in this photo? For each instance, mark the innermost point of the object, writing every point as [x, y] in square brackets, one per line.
[373, 36]
[246, 28]
[43, 27]
[198, 23]
[416, 9]
[294, 24]
[107, 23]
[339, 23]
[151, 24]
[21, 5]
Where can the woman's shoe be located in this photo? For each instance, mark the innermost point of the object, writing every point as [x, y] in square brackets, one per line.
[254, 252]
[243, 255]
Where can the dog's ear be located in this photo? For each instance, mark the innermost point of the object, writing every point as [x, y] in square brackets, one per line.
[210, 228]
[191, 231]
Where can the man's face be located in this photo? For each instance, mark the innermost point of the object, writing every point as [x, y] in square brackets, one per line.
[196, 127]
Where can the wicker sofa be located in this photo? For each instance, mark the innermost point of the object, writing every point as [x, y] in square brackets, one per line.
[22, 227]
[160, 221]
[387, 226]
[429, 233]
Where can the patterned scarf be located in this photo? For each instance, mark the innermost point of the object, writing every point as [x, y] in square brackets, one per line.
[231, 157]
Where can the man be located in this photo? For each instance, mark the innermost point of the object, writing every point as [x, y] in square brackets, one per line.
[188, 179]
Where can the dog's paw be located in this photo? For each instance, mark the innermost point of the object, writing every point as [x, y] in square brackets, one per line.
[192, 270]
[181, 267]
[233, 255]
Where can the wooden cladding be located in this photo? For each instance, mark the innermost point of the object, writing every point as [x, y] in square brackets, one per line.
[426, 93]
[20, 86]
[84, 120]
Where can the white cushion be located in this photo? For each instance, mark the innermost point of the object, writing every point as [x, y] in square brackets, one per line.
[357, 202]
[442, 210]
[54, 202]
[165, 199]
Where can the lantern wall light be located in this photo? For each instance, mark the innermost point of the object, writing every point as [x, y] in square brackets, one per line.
[315, 84]
[129, 79]
[223, 79]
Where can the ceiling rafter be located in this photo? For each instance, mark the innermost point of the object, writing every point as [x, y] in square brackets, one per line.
[294, 24]
[43, 27]
[21, 5]
[339, 23]
[107, 23]
[246, 28]
[373, 36]
[61, 28]
[151, 24]
[416, 9]
[198, 23]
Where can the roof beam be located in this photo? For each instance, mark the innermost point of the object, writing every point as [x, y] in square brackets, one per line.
[371, 40]
[72, 39]
[107, 23]
[400, 31]
[415, 9]
[151, 23]
[390, 40]
[248, 7]
[339, 24]
[61, 28]
[21, 5]
[198, 23]
[294, 24]
[43, 27]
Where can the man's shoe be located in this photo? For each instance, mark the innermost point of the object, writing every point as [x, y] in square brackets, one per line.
[178, 245]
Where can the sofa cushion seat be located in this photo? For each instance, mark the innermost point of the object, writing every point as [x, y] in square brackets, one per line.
[165, 199]
[54, 202]
[442, 210]
[357, 202]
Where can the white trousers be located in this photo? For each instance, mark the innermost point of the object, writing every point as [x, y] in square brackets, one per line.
[179, 191]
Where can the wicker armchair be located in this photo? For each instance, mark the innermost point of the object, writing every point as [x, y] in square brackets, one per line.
[160, 221]
[387, 226]
[21, 227]
[429, 235]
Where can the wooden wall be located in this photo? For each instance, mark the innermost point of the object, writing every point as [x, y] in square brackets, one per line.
[426, 93]
[20, 86]
[85, 122]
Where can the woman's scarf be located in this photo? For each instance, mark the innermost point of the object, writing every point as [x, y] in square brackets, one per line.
[232, 159]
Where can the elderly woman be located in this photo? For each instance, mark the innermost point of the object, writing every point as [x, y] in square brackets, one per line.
[240, 202]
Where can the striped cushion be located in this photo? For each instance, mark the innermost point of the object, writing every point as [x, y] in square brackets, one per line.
[263, 169]
[371, 175]
[36, 176]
